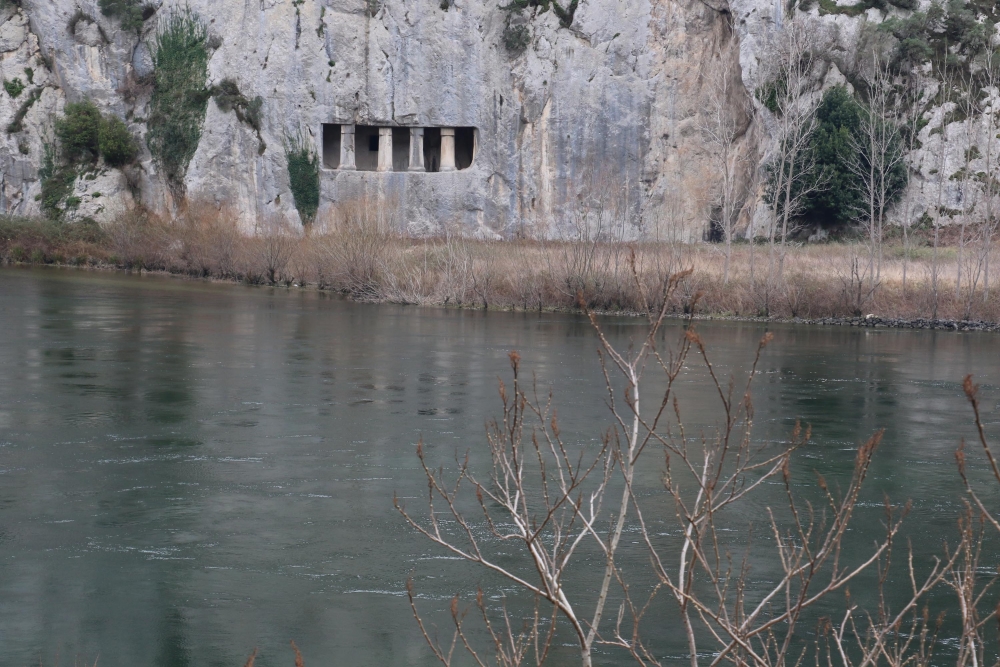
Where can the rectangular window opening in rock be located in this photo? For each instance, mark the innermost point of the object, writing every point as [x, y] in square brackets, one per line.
[465, 147]
[331, 146]
[366, 147]
[432, 148]
[400, 148]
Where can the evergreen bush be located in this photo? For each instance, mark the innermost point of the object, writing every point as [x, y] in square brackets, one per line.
[130, 13]
[84, 135]
[78, 132]
[564, 14]
[13, 87]
[516, 38]
[934, 34]
[841, 199]
[116, 143]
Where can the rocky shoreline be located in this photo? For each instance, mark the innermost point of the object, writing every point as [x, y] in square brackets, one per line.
[871, 322]
[902, 323]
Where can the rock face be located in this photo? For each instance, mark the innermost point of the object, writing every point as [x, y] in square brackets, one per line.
[596, 128]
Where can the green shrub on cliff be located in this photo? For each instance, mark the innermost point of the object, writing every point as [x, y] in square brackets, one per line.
[565, 14]
[115, 142]
[941, 32]
[17, 122]
[78, 132]
[179, 100]
[13, 87]
[228, 97]
[516, 38]
[84, 135]
[131, 13]
[303, 176]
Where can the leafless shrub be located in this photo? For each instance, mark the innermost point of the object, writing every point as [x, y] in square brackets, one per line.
[269, 252]
[972, 394]
[549, 521]
[551, 500]
[212, 241]
[138, 239]
[858, 283]
[368, 260]
[358, 246]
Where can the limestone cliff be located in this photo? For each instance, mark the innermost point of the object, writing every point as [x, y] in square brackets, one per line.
[604, 113]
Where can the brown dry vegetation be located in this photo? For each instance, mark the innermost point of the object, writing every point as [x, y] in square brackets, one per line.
[358, 252]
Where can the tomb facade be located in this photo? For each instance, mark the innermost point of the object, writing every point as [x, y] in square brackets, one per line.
[356, 147]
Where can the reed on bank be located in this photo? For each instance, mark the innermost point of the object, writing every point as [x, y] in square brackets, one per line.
[360, 253]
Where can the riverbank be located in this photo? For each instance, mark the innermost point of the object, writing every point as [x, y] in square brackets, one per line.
[815, 283]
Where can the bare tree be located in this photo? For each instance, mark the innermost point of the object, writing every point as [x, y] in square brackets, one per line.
[272, 249]
[877, 152]
[966, 196]
[913, 115]
[979, 207]
[705, 478]
[947, 84]
[600, 227]
[791, 165]
[988, 110]
[722, 124]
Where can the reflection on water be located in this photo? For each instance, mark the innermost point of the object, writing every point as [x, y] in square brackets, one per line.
[190, 470]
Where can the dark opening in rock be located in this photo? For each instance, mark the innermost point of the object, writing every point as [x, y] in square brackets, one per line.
[400, 148]
[331, 146]
[432, 148]
[366, 147]
[465, 147]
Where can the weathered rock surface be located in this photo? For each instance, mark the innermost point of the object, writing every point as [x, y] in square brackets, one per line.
[603, 117]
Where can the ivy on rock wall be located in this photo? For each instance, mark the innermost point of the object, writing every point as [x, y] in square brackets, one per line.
[180, 98]
[303, 176]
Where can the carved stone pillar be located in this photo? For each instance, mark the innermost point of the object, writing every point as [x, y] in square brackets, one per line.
[384, 149]
[417, 149]
[347, 148]
[447, 149]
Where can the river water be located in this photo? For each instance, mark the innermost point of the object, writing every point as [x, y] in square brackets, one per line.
[189, 470]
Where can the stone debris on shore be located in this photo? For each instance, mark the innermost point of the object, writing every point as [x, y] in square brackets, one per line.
[902, 323]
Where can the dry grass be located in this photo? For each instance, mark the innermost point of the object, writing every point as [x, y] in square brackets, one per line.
[357, 252]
